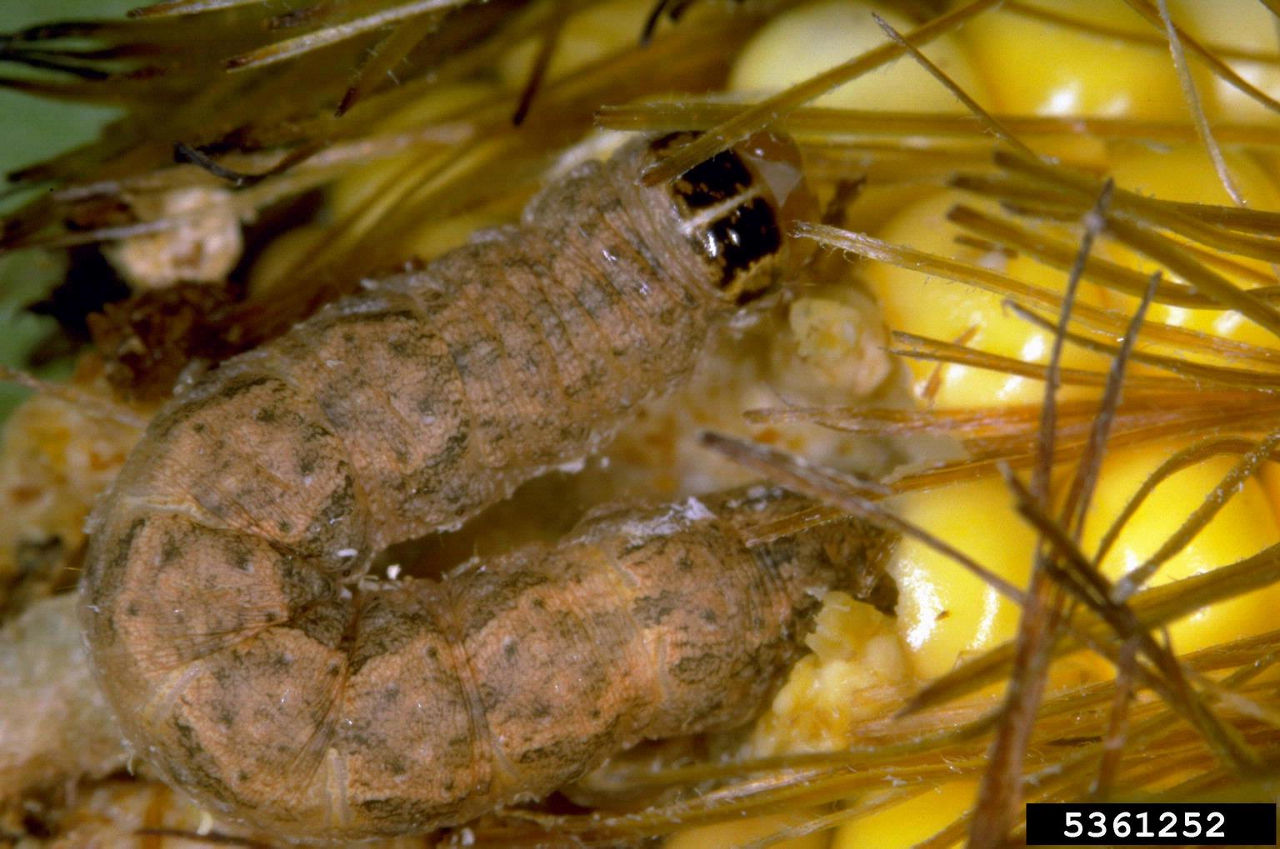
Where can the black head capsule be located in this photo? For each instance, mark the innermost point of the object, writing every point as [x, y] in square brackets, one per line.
[736, 205]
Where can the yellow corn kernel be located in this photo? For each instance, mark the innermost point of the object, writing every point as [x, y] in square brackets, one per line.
[856, 664]
[434, 238]
[948, 311]
[908, 822]
[285, 253]
[730, 835]
[592, 34]
[1242, 24]
[1270, 479]
[366, 189]
[1034, 66]
[1186, 174]
[944, 611]
[1244, 527]
[813, 38]
[1045, 68]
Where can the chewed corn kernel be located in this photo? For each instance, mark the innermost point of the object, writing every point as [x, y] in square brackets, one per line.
[731, 835]
[56, 459]
[952, 312]
[855, 654]
[201, 245]
[844, 346]
[1244, 527]
[1034, 66]
[908, 822]
[813, 38]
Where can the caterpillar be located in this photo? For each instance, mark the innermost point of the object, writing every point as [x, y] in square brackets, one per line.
[225, 599]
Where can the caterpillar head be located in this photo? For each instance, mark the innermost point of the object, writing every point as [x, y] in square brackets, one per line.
[737, 205]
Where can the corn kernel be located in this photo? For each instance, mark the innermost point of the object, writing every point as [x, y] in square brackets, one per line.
[1244, 527]
[360, 190]
[202, 244]
[730, 835]
[856, 662]
[590, 35]
[948, 311]
[842, 344]
[1270, 480]
[285, 252]
[908, 822]
[813, 38]
[434, 238]
[944, 611]
[1186, 174]
[1242, 24]
[1045, 68]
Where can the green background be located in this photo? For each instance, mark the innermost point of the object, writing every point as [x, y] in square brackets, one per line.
[32, 129]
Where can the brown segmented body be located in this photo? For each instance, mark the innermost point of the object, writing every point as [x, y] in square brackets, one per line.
[221, 601]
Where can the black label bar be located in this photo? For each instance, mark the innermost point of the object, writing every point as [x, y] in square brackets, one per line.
[1151, 824]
